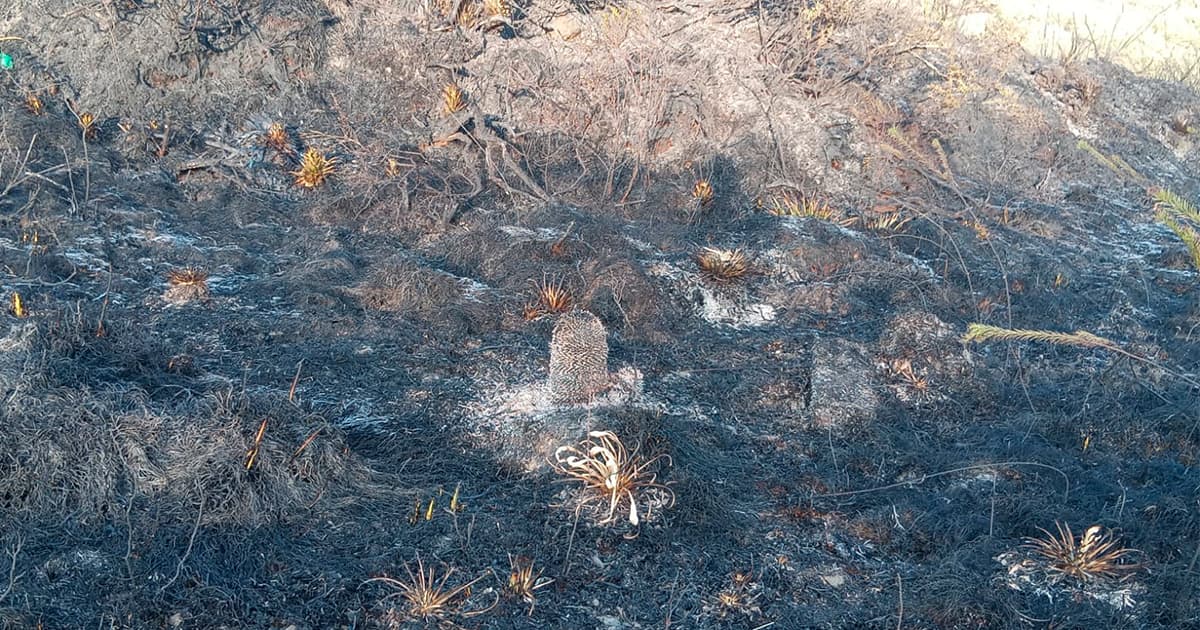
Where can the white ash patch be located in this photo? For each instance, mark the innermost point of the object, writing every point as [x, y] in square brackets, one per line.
[1026, 573]
[526, 234]
[523, 424]
[715, 307]
[533, 400]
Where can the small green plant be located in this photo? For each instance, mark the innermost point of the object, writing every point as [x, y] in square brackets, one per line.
[1181, 217]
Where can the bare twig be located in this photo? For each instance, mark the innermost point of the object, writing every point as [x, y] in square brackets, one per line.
[186, 552]
[12, 568]
[924, 478]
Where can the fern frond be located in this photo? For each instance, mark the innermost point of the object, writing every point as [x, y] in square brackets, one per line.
[1079, 338]
[1165, 200]
[1185, 233]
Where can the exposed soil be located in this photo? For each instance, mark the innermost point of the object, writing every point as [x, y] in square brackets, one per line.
[358, 388]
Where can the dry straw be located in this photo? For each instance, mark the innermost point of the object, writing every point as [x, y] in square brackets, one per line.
[1079, 338]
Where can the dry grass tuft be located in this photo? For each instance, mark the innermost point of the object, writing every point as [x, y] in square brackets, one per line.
[610, 473]
[550, 297]
[792, 205]
[497, 8]
[703, 192]
[188, 276]
[523, 581]
[890, 220]
[453, 99]
[314, 169]
[723, 265]
[188, 283]
[428, 597]
[1094, 556]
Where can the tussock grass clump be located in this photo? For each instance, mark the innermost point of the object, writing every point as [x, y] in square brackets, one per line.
[1094, 556]
[723, 265]
[315, 167]
[187, 284]
[429, 597]
[524, 581]
[550, 297]
[612, 475]
[793, 205]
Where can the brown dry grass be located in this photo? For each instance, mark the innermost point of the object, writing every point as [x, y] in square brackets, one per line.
[610, 474]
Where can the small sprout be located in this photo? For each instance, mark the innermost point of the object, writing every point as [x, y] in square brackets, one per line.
[18, 307]
[551, 298]
[453, 99]
[523, 581]
[903, 369]
[981, 231]
[314, 168]
[611, 474]
[723, 265]
[276, 137]
[455, 506]
[87, 124]
[703, 192]
[738, 598]
[415, 516]
[428, 597]
[187, 284]
[392, 169]
[252, 454]
[34, 104]
[429, 510]
[1095, 556]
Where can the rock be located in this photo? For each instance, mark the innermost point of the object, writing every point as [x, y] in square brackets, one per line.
[566, 27]
[842, 386]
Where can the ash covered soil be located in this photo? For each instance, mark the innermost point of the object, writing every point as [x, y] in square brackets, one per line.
[234, 401]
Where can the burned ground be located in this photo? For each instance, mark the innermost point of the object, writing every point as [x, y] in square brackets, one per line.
[354, 375]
